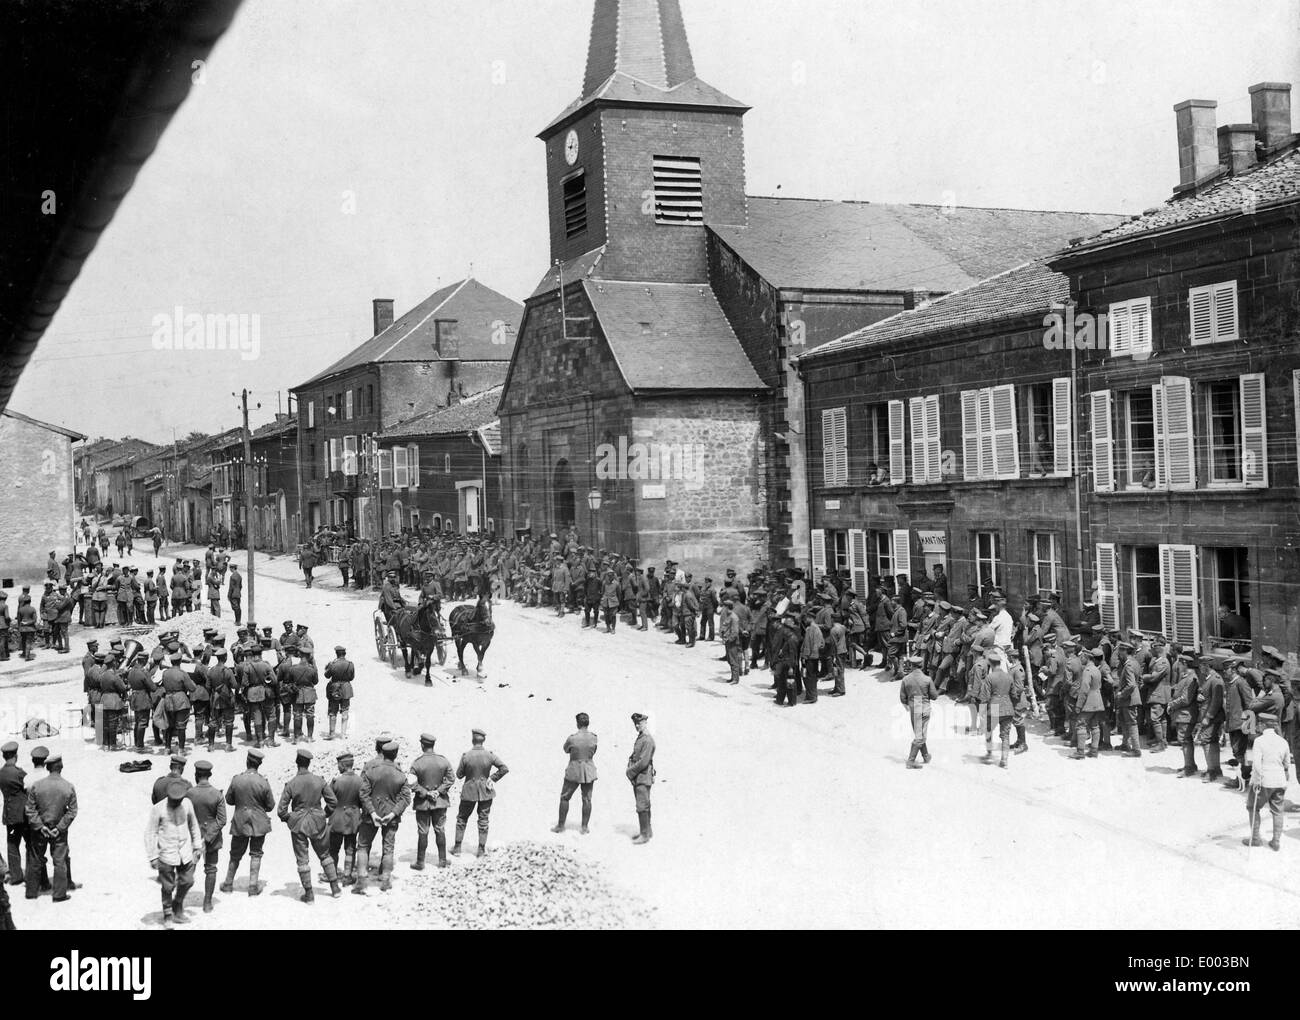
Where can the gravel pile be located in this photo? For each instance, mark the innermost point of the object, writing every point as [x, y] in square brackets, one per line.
[191, 627]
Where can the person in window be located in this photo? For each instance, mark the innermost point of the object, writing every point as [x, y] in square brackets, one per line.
[872, 470]
[1040, 454]
[1146, 470]
[1232, 625]
[878, 477]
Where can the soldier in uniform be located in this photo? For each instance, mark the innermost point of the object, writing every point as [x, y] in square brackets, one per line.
[303, 678]
[221, 686]
[385, 795]
[339, 675]
[1210, 724]
[177, 686]
[250, 795]
[176, 771]
[51, 810]
[345, 819]
[235, 592]
[1271, 772]
[433, 779]
[259, 695]
[641, 774]
[916, 693]
[477, 767]
[112, 700]
[1156, 685]
[4, 627]
[1128, 695]
[14, 811]
[1183, 711]
[581, 772]
[1003, 692]
[300, 808]
[140, 690]
[210, 812]
[1088, 707]
[729, 634]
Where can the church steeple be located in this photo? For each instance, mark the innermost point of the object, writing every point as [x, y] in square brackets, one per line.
[644, 39]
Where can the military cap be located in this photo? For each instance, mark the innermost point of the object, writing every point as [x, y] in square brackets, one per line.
[1273, 652]
[428, 738]
[49, 584]
[639, 717]
[918, 591]
[728, 602]
[944, 604]
[175, 658]
[1096, 653]
[242, 630]
[9, 748]
[992, 654]
[979, 615]
[1186, 657]
[1133, 632]
[1097, 628]
[915, 659]
[100, 656]
[203, 766]
[343, 756]
[302, 626]
[221, 654]
[179, 759]
[1034, 618]
[1214, 661]
[383, 738]
[478, 733]
[54, 759]
[1125, 646]
[266, 631]
[391, 746]
[209, 632]
[304, 755]
[257, 755]
[340, 650]
[1276, 674]
[1250, 673]
[1070, 642]
[1049, 637]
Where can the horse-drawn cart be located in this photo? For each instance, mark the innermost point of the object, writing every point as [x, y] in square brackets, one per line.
[386, 640]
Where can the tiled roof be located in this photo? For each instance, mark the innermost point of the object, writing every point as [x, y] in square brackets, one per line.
[473, 412]
[275, 428]
[478, 310]
[1027, 289]
[670, 336]
[579, 266]
[490, 434]
[825, 245]
[1278, 180]
[43, 424]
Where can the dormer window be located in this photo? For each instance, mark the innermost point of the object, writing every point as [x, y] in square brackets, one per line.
[679, 190]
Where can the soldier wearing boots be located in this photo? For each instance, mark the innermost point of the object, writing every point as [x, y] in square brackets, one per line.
[433, 779]
[477, 767]
[140, 691]
[303, 678]
[345, 819]
[1002, 691]
[1128, 699]
[300, 808]
[339, 675]
[1270, 758]
[916, 693]
[172, 841]
[1156, 685]
[210, 810]
[259, 696]
[385, 795]
[250, 795]
[1183, 712]
[14, 811]
[221, 686]
[581, 772]
[641, 774]
[1210, 724]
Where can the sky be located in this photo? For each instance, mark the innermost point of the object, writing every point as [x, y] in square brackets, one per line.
[338, 150]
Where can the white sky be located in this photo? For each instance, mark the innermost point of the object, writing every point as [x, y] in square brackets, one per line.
[426, 111]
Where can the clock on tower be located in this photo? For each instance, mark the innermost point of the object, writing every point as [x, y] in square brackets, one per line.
[571, 147]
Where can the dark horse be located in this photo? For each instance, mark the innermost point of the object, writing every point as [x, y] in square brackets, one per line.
[420, 634]
[473, 625]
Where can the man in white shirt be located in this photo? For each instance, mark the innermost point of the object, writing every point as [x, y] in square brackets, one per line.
[172, 842]
[1270, 760]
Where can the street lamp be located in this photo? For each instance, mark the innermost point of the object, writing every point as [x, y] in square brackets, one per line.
[593, 499]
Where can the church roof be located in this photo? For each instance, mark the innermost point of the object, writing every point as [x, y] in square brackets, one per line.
[814, 244]
[670, 336]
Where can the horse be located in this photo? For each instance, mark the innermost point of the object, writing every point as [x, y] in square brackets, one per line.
[420, 633]
[473, 625]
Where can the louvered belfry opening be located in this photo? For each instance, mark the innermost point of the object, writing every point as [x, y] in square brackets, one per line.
[679, 190]
[575, 205]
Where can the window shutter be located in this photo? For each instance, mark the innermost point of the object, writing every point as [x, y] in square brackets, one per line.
[1158, 427]
[1295, 404]
[818, 554]
[858, 561]
[1225, 310]
[347, 405]
[841, 445]
[385, 469]
[1180, 608]
[413, 464]
[828, 447]
[987, 458]
[970, 437]
[1006, 448]
[1062, 427]
[1108, 585]
[1254, 432]
[897, 447]
[901, 547]
[1140, 327]
[1180, 452]
[1200, 303]
[1103, 442]
[349, 455]
[1121, 330]
[916, 415]
[933, 440]
[401, 472]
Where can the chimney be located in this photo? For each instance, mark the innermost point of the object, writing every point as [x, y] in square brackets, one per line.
[1270, 108]
[383, 308]
[1198, 149]
[1237, 146]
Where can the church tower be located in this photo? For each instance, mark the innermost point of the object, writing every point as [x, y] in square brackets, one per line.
[646, 155]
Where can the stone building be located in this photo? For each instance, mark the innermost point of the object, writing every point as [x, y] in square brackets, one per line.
[36, 498]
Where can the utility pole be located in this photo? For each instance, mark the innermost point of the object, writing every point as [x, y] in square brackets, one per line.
[249, 530]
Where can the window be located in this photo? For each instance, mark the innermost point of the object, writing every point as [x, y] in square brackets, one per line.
[837, 552]
[333, 446]
[448, 525]
[988, 560]
[1223, 444]
[370, 398]
[835, 451]
[1231, 593]
[413, 464]
[446, 463]
[883, 547]
[415, 520]
[1039, 422]
[437, 522]
[1144, 588]
[347, 405]
[350, 455]
[311, 459]
[1047, 561]
[311, 417]
[988, 424]
[679, 190]
[1130, 328]
[1213, 312]
[401, 468]
[876, 442]
[1139, 470]
[927, 452]
[575, 204]
[491, 526]
[385, 469]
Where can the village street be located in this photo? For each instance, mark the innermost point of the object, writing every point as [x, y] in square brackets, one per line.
[762, 816]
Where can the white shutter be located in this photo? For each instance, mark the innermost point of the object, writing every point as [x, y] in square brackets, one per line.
[1062, 426]
[1225, 310]
[1200, 304]
[984, 415]
[1158, 420]
[916, 416]
[385, 469]
[1120, 323]
[1180, 606]
[1108, 585]
[401, 472]
[349, 455]
[1103, 442]
[970, 435]
[828, 448]
[901, 548]
[347, 405]
[858, 561]
[835, 451]
[332, 451]
[933, 440]
[841, 446]
[413, 464]
[1180, 452]
[1295, 405]
[897, 444]
[818, 554]
[1254, 432]
[1006, 446]
[1140, 326]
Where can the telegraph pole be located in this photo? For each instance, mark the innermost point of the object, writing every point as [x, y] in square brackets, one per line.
[249, 531]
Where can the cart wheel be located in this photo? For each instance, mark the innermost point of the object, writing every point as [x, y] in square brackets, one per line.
[394, 652]
[442, 653]
[380, 638]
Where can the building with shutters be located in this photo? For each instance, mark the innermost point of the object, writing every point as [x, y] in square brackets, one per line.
[945, 436]
[455, 343]
[1189, 412]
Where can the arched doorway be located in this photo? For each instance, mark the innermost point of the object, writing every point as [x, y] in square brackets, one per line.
[397, 517]
[565, 504]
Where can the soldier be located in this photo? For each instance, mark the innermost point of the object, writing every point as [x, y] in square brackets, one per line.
[784, 657]
[235, 592]
[1003, 691]
[384, 796]
[210, 812]
[250, 795]
[1088, 708]
[4, 627]
[339, 675]
[641, 774]
[1183, 711]
[177, 686]
[916, 693]
[433, 779]
[259, 696]
[172, 841]
[1156, 685]
[176, 771]
[284, 641]
[1270, 758]
[1209, 726]
[581, 772]
[478, 791]
[345, 819]
[306, 647]
[729, 633]
[302, 678]
[1128, 699]
[112, 701]
[221, 686]
[51, 810]
[1237, 696]
[14, 811]
[300, 809]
